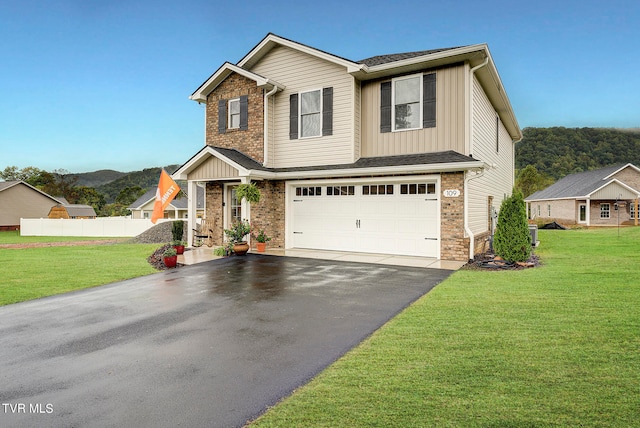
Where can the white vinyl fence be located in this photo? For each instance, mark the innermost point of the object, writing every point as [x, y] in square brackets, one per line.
[102, 226]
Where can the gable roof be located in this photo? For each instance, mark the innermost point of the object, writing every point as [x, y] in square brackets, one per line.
[4, 185]
[581, 184]
[222, 73]
[381, 66]
[79, 210]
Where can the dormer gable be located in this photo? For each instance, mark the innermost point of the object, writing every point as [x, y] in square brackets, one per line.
[200, 94]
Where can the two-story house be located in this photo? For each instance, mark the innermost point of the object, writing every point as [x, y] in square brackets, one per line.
[397, 154]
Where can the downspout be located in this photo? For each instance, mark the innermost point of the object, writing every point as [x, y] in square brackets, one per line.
[266, 124]
[472, 241]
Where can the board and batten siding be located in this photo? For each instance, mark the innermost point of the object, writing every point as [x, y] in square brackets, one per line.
[211, 169]
[299, 71]
[491, 144]
[448, 134]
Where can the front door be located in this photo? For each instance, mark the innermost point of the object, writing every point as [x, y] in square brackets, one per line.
[234, 206]
[582, 213]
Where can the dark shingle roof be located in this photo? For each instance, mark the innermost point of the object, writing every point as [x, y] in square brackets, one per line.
[576, 185]
[179, 202]
[77, 210]
[373, 162]
[384, 59]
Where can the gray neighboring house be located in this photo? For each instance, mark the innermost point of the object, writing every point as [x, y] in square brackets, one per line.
[21, 200]
[602, 197]
[178, 208]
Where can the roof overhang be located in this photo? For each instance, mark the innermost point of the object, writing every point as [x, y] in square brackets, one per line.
[200, 95]
[373, 171]
[473, 55]
[629, 165]
[271, 41]
[205, 153]
[628, 193]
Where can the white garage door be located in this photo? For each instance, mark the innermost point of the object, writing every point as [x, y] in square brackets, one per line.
[389, 218]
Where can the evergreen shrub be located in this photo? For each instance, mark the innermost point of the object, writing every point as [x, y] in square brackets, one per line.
[512, 239]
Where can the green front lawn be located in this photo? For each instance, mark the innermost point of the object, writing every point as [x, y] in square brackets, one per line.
[557, 345]
[30, 273]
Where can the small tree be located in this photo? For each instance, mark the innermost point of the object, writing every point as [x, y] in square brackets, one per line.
[512, 240]
[177, 230]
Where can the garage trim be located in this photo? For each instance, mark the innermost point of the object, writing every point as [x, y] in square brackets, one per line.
[291, 186]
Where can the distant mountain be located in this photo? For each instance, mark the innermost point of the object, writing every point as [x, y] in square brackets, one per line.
[98, 178]
[559, 151]
[146, 179]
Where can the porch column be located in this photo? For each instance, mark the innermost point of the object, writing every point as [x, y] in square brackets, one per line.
[588, 203]
[246, 206]
[192, 205]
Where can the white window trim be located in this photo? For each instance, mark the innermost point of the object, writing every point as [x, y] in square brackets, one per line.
[393, 102]
[608, 211]
[585, 213]
[229, 113]
[300, 113]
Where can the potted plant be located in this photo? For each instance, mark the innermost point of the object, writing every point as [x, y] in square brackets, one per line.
[261, 241]
[170, 257]
[236, 234]
[250, 192]
[177, 231]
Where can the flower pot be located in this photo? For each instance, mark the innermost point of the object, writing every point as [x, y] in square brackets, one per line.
[240, 248]
[261, 246]
[179, 249]
[170, 261]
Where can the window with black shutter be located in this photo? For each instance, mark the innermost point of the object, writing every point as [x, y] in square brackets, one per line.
[311, 113]
[408, 102]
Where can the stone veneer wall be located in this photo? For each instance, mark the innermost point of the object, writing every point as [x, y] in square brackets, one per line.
[250, 141]
[268, 214]
[453, 245]
[215, 211]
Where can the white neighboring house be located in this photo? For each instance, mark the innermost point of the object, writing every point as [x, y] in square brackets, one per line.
[142, 208]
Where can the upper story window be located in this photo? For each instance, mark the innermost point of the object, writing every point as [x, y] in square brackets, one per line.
[311, 113]
[407, 108]
[408, 102]
[234, 113]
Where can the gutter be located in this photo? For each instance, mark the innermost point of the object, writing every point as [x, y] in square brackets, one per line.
[265, 131]
[472, 240]
[361, 172]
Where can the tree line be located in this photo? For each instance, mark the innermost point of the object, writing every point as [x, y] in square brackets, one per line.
[61, 183]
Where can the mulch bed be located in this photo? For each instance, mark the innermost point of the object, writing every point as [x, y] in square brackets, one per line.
[488, 261]
[157, 258]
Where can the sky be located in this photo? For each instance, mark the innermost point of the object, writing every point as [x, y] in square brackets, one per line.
[87, 85]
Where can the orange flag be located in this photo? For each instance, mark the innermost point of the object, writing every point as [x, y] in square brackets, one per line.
[166, 191]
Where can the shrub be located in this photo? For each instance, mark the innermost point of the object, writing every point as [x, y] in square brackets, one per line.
[512, 240]
[177, 230]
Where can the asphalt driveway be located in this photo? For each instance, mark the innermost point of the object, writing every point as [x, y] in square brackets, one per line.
[208, 345]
